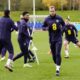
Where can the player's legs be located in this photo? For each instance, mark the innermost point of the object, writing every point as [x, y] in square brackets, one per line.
[75, 41]
[24, 52]
[29, 57]
[58, 56]
[9, 47]
[18, 56]
[1, 46]
[21, 44]
[58, 52]
[66, 48]
[53, 50]
[3, 53]
[22, 47]
[78, 44]
[32, 55]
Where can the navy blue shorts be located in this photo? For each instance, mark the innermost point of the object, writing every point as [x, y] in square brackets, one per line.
[73, 40]
[7, 45]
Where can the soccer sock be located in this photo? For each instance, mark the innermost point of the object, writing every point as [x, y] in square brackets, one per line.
[66, 52]
[25, 59]
[8, 62]
[18, 56]
[57, 67]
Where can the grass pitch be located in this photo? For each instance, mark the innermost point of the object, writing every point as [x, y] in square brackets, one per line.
[46, 70]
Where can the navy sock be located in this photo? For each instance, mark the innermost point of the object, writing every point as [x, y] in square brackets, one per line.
[18, 56]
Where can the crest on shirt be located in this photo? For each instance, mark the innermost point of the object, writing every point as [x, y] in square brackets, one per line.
[57, 21]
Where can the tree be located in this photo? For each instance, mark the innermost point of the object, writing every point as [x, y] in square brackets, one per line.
[3, 4]
[63, 4]
[39, 5]
[57, 3]
[47, 2]
[15, 4]
[26, 5]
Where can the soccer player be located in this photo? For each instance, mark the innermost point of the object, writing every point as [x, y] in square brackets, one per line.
[31, 56]
[6, 27]
[23, 38]
[55, 24]
[70, 36]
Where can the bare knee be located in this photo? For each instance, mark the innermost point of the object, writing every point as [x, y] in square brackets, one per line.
[65, 44]
[78, 44]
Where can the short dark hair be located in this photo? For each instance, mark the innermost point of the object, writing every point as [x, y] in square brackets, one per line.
[24, 13]
[6, 12]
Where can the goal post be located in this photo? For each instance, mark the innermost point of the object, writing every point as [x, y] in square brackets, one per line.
[9, 4]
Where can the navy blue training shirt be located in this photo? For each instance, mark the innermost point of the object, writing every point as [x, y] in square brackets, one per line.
[23, 30]
[70, 31]
[6, 27]
[55, 26]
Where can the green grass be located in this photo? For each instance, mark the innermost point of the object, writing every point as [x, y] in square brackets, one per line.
[74, 15]
[46, 70]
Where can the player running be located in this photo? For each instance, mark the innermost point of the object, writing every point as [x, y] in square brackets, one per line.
[70, 36]
[6, 27]
[23, 39]
[55, 24]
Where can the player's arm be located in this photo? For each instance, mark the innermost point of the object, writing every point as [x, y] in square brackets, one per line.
[13, 26]
[76, 31]
[45, 25]
[63, 26]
